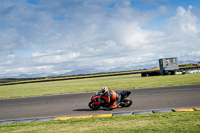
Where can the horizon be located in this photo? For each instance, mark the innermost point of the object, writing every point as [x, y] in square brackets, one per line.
[26, 76]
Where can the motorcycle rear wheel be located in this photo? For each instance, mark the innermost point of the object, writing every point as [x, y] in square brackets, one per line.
[126, 102]
[93, 106]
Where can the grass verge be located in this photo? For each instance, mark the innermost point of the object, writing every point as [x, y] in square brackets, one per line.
[164, 122]
[94, 84]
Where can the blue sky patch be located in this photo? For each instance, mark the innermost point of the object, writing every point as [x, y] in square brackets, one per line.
[112, 5]
[35, 2]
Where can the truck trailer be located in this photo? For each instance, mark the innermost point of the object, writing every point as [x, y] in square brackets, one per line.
[168, 66]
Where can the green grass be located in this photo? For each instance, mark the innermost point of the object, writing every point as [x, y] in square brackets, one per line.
[166, 122]
[94, 84]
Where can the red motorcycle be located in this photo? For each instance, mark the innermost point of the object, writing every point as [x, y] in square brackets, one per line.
[98, 101]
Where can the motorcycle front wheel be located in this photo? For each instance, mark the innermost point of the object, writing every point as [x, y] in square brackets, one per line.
[93, 106]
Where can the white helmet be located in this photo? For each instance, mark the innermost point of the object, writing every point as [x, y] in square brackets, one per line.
[105, 89]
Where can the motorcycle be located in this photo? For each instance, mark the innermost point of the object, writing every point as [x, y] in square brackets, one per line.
[98, 101]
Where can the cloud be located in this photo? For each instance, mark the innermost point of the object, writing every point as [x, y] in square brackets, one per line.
[61, 36]
[55, 58]
[182, 32]
[9, 39]
[184, 21]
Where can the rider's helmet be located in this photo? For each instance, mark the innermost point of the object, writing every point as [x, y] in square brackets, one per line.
[104, 89]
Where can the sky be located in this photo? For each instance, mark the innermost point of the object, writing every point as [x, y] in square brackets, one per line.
[46, 37]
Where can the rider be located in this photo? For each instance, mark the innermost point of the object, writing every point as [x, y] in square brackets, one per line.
[112, 96]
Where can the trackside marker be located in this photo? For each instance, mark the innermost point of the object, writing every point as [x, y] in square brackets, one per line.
[122, 113]
[73, 117]
[197, 109]
[6, 122]
[163, 111]
[102, 115]
[62, 118]
[82, 116]
[44, 119]
[182, 110]
[143, 112]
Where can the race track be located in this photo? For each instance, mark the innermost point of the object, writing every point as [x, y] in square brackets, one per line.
[77, 104]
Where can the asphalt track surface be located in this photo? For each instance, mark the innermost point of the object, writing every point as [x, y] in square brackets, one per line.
[77, 104]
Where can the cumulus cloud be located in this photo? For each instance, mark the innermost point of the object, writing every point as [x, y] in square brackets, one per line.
[182, 32]
[55, 37]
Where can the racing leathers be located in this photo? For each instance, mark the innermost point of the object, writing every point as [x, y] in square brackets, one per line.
[113, 98]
